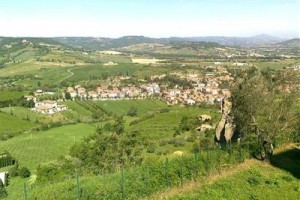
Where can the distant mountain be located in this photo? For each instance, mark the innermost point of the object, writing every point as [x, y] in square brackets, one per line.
[101, 43]
[292, 43]
[106, 43]
[258, 40]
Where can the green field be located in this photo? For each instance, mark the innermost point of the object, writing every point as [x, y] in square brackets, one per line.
[26, 113]
[162, 124]
[262, 181]
[31, 149]
[10, 95]
[12, 124]
[121, 107]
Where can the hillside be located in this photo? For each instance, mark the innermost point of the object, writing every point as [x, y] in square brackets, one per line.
[293, 43]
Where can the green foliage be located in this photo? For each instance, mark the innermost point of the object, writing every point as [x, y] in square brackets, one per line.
[107, 152]
[118, 126]
[137, 182]
[3, 192]
[24, 172]
[132, 112]
[261, 106]
[68, 96]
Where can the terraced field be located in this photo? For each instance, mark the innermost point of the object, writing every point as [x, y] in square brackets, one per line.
[12, 124]
[121, 107]
[26, 113]
[33, 148]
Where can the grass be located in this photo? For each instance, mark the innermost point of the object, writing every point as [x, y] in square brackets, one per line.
[24, 113]
[10, 95]
[162, 125]
[12, 124]
[31, 149]
[121, 107]
[86, 72]
[77, 111]
[261, 181]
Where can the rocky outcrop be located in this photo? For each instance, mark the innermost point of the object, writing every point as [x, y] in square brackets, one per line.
[225, 127]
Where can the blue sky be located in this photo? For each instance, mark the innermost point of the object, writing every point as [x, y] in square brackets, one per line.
[155, 18]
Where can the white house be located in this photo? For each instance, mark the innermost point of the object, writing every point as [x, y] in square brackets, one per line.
[3, 177]
[190, 101]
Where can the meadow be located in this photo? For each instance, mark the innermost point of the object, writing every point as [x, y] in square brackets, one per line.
[253, 180]
[11, 124]
[27, 114]
[10, 95]
[33, 148]
[121, 107]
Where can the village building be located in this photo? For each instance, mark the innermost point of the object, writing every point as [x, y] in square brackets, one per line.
[48, 107]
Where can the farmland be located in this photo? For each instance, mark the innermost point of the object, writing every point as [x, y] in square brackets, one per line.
[33, 148]
[152, 141]
[12, 124]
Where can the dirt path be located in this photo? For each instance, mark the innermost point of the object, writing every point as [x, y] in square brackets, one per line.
[194, 185]
[71, 74]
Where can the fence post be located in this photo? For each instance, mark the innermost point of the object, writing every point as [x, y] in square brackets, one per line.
[167, 172]
[25, 192]
[122, 184]
[241, 158]
[181, 171]
[79, 192]
[219, 159]
[196, 164]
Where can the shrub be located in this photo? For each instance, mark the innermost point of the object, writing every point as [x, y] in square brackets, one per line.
[24, 172]
[3, 192]
[132, 112]
[164, 110]
[151, 148]
[179, 142]
[163, 142]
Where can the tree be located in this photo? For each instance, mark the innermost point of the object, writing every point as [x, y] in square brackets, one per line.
[118, 126]
[132, 112]
[24, 172]
[261, 106]
[68, 96]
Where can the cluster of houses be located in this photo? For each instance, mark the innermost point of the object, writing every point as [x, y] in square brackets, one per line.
[114, 93]
[47, 106]
[204, 89]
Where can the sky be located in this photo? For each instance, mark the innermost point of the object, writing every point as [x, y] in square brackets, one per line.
[152, 18]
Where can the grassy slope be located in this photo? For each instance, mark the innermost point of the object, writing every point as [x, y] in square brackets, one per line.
[30, 149]
[10, 123]
[261, 181]
[9, 95]
[250, 180]
[122, 107]
[23, 113]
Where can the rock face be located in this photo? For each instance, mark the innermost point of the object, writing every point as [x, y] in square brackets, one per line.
[226, 125]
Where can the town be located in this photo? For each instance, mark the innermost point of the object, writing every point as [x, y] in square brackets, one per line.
[202, 89]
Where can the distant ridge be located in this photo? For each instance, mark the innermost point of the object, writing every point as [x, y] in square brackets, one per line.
[292, 43]
[100, 43]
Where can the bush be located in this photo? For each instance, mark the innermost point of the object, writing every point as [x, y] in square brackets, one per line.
[164, 110]
[206, 143]
[163, 142]
[179, 142]
[24, 172]
[3, 192]
[132, 112]
[151, 148]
